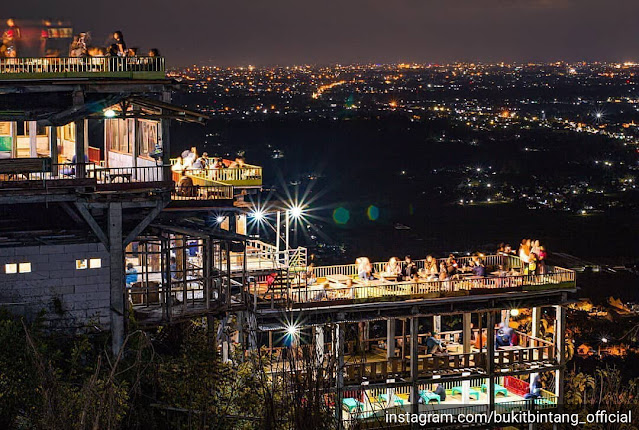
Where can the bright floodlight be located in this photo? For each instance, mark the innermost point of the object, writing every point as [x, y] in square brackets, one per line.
[599, 114]
[296, 211]
[604, 340]
[109, 113]
[258, 214]
[291, 330]
[514, 312]
[220, 219]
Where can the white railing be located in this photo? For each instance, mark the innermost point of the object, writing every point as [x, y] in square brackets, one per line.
[356, 289]
[266, 256]
[81, 65]
[378, 267]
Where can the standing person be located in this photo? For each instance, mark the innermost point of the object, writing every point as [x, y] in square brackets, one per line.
[541, 261]
[534, 247]
[120, 44]
[524, 255]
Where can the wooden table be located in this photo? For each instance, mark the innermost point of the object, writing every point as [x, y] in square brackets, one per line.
[340, 279]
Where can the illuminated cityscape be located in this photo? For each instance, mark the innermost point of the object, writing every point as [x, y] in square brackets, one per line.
[360, 215]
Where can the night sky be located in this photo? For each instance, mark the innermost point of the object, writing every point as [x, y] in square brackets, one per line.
[265, 32]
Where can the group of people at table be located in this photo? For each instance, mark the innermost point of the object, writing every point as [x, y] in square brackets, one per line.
[408, 271]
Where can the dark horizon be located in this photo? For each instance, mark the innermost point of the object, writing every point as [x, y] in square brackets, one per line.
[288, 32]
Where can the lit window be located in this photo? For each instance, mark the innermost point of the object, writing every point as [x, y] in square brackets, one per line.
[24, 267]
[95, 263]
[81, 264]
[10, 268]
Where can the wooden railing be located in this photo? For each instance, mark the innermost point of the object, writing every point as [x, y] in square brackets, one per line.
[202, 192]
[102, 175]
[11, 68]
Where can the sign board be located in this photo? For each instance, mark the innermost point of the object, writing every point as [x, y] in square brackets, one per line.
[5, 143]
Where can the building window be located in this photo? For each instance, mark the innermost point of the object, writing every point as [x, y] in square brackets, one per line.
[84, 263]
[11, 268]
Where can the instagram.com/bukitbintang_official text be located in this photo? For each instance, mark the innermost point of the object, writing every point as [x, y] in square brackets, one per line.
[511, 418]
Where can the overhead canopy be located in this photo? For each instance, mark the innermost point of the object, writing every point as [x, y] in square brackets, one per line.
[57, 108]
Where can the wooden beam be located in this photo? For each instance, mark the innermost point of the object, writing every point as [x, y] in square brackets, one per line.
[159, 205]
[95, 227]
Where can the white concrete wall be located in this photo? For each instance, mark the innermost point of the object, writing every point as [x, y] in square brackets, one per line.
[83, 295]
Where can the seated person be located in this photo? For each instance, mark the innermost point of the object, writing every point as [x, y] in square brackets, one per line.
[441, 392]
[478, 268]
[218, 163]
[504, 336]
[238, 163]
[410, 269]
[434, 345]
[131, 275]
[451, 265]
[393, 268]
[309, 275]
[535, 389]
[323, 293]
[364, 268]
[185, 186]
[430, 268]
[443, 273]
[200, 163]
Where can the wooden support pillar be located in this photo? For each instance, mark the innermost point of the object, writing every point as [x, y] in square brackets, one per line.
[33, 139]
[53, 149]
[340, 339]
[490, 361]
[80, 136]
[241, 333]
[536, 320]
[116, 257]
[165, 139]
[137, 138]
[80, 155]
[403, 338]
[319, 345]
[467, 332]
[13, 129]
[560, 347]
[390, 338]
[414, 375]
[437, 324]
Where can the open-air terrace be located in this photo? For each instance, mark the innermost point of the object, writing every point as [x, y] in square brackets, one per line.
[340, 284]
[85, 67]
[280, 280]
[373, 364]
[245, 176]
[368, 408]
